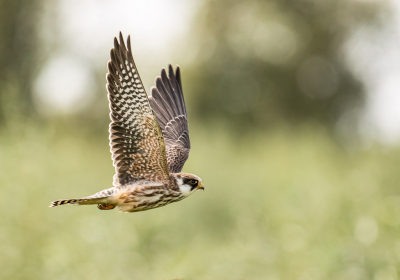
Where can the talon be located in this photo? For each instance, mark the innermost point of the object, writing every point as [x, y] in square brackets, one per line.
[106, 206]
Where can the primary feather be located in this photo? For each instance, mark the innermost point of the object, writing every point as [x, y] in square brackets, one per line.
[169, 107]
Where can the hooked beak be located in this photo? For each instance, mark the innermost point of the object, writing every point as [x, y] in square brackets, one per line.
[200, 186]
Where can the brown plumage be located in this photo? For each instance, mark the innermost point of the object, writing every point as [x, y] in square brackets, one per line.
[169, 107]
[148, 149]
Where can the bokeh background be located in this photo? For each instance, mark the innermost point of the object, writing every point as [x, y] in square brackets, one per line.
[294, 109]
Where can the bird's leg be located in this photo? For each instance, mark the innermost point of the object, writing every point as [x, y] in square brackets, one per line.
[106, 206]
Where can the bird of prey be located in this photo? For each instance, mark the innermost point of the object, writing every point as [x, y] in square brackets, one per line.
[149, 139]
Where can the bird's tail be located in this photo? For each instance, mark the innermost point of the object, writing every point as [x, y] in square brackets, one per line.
[78, 201]
[98, 198]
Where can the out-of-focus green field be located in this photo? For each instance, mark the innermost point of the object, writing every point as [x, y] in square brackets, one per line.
[281, 205]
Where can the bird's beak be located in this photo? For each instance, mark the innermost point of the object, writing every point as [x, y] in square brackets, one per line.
[200, 186]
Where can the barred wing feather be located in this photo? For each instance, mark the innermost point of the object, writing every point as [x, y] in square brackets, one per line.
[136, 141]
[169, 107]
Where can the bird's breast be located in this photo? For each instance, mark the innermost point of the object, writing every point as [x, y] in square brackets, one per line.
[141, 199]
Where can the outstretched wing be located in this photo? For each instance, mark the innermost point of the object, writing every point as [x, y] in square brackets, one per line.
[136, 141]
[169, 107]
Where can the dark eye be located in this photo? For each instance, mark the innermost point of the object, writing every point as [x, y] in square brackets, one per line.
[193, 182]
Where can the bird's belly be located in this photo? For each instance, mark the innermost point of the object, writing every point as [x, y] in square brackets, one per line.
[142, 200]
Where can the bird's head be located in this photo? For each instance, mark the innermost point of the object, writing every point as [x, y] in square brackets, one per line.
[188, 183]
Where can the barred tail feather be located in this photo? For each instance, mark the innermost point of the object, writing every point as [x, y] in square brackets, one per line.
[99, 198]
[67, 201]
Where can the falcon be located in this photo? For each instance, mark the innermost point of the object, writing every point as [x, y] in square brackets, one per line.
[149, 139]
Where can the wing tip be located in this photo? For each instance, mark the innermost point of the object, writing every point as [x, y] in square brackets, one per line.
[128, 42]
[116, 43]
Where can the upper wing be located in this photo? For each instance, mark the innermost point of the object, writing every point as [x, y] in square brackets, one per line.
[169, 107]
[136, 141]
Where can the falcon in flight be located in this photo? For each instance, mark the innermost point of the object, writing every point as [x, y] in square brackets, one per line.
[149, 139]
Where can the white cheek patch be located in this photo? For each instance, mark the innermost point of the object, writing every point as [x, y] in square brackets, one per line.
[179, 181]
[185, 189]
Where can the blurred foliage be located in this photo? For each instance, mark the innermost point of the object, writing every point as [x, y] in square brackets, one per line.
[264, 62]
[287, 205]
[19, 48]
[257, 62]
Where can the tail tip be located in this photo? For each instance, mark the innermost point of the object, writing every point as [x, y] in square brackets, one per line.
[54, 203]
[65, 201]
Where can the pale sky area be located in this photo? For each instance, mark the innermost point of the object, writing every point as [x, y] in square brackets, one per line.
[375, 57]
[85, 30]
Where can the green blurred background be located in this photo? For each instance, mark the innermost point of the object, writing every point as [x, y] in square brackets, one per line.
[294, 121]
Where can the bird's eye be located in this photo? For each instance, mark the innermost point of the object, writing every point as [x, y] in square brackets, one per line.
[193, 182]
